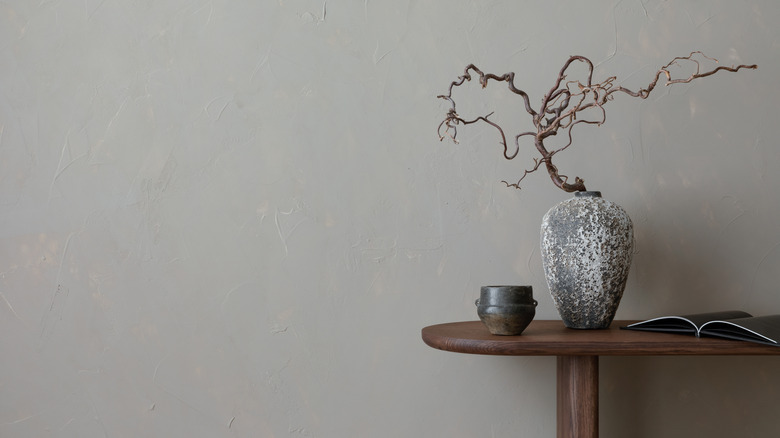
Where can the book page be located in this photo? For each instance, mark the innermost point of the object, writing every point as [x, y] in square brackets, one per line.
[672, 324]
[764, 329]
[699, 319]
[685, 323]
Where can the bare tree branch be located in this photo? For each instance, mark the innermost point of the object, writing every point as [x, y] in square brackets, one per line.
[562, 108]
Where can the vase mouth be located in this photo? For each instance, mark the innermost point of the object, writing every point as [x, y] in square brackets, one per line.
[587, 194]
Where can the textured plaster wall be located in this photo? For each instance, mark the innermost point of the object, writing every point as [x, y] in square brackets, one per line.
[232, 218]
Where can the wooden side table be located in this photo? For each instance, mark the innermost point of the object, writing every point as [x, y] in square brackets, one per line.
[578, 354]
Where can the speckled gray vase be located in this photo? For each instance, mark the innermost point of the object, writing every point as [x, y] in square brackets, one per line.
[587, 246]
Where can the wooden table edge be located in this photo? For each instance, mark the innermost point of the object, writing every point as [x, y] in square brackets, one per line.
[552, 338]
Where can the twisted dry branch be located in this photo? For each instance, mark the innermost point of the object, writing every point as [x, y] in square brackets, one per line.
[562, 107]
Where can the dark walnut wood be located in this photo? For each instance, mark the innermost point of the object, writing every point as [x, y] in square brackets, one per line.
[578, 396]
[552, 338]
[578, 354]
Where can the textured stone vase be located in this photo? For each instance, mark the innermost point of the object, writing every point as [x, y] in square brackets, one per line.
[587, 245]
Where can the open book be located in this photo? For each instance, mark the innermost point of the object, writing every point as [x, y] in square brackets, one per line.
[732, 324]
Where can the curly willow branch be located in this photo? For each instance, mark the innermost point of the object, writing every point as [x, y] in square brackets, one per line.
[563, 106]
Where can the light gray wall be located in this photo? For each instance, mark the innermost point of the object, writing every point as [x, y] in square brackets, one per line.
[232, 218]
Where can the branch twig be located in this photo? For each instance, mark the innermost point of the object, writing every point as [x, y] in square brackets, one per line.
[563, 106]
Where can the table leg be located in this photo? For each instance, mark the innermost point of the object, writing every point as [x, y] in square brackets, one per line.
[578, 396]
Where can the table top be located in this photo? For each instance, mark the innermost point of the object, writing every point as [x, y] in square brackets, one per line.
[552, 338]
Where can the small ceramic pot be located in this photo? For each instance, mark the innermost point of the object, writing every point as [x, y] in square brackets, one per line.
[506, 310]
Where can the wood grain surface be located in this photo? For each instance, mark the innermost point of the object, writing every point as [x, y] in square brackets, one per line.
[552, 338]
